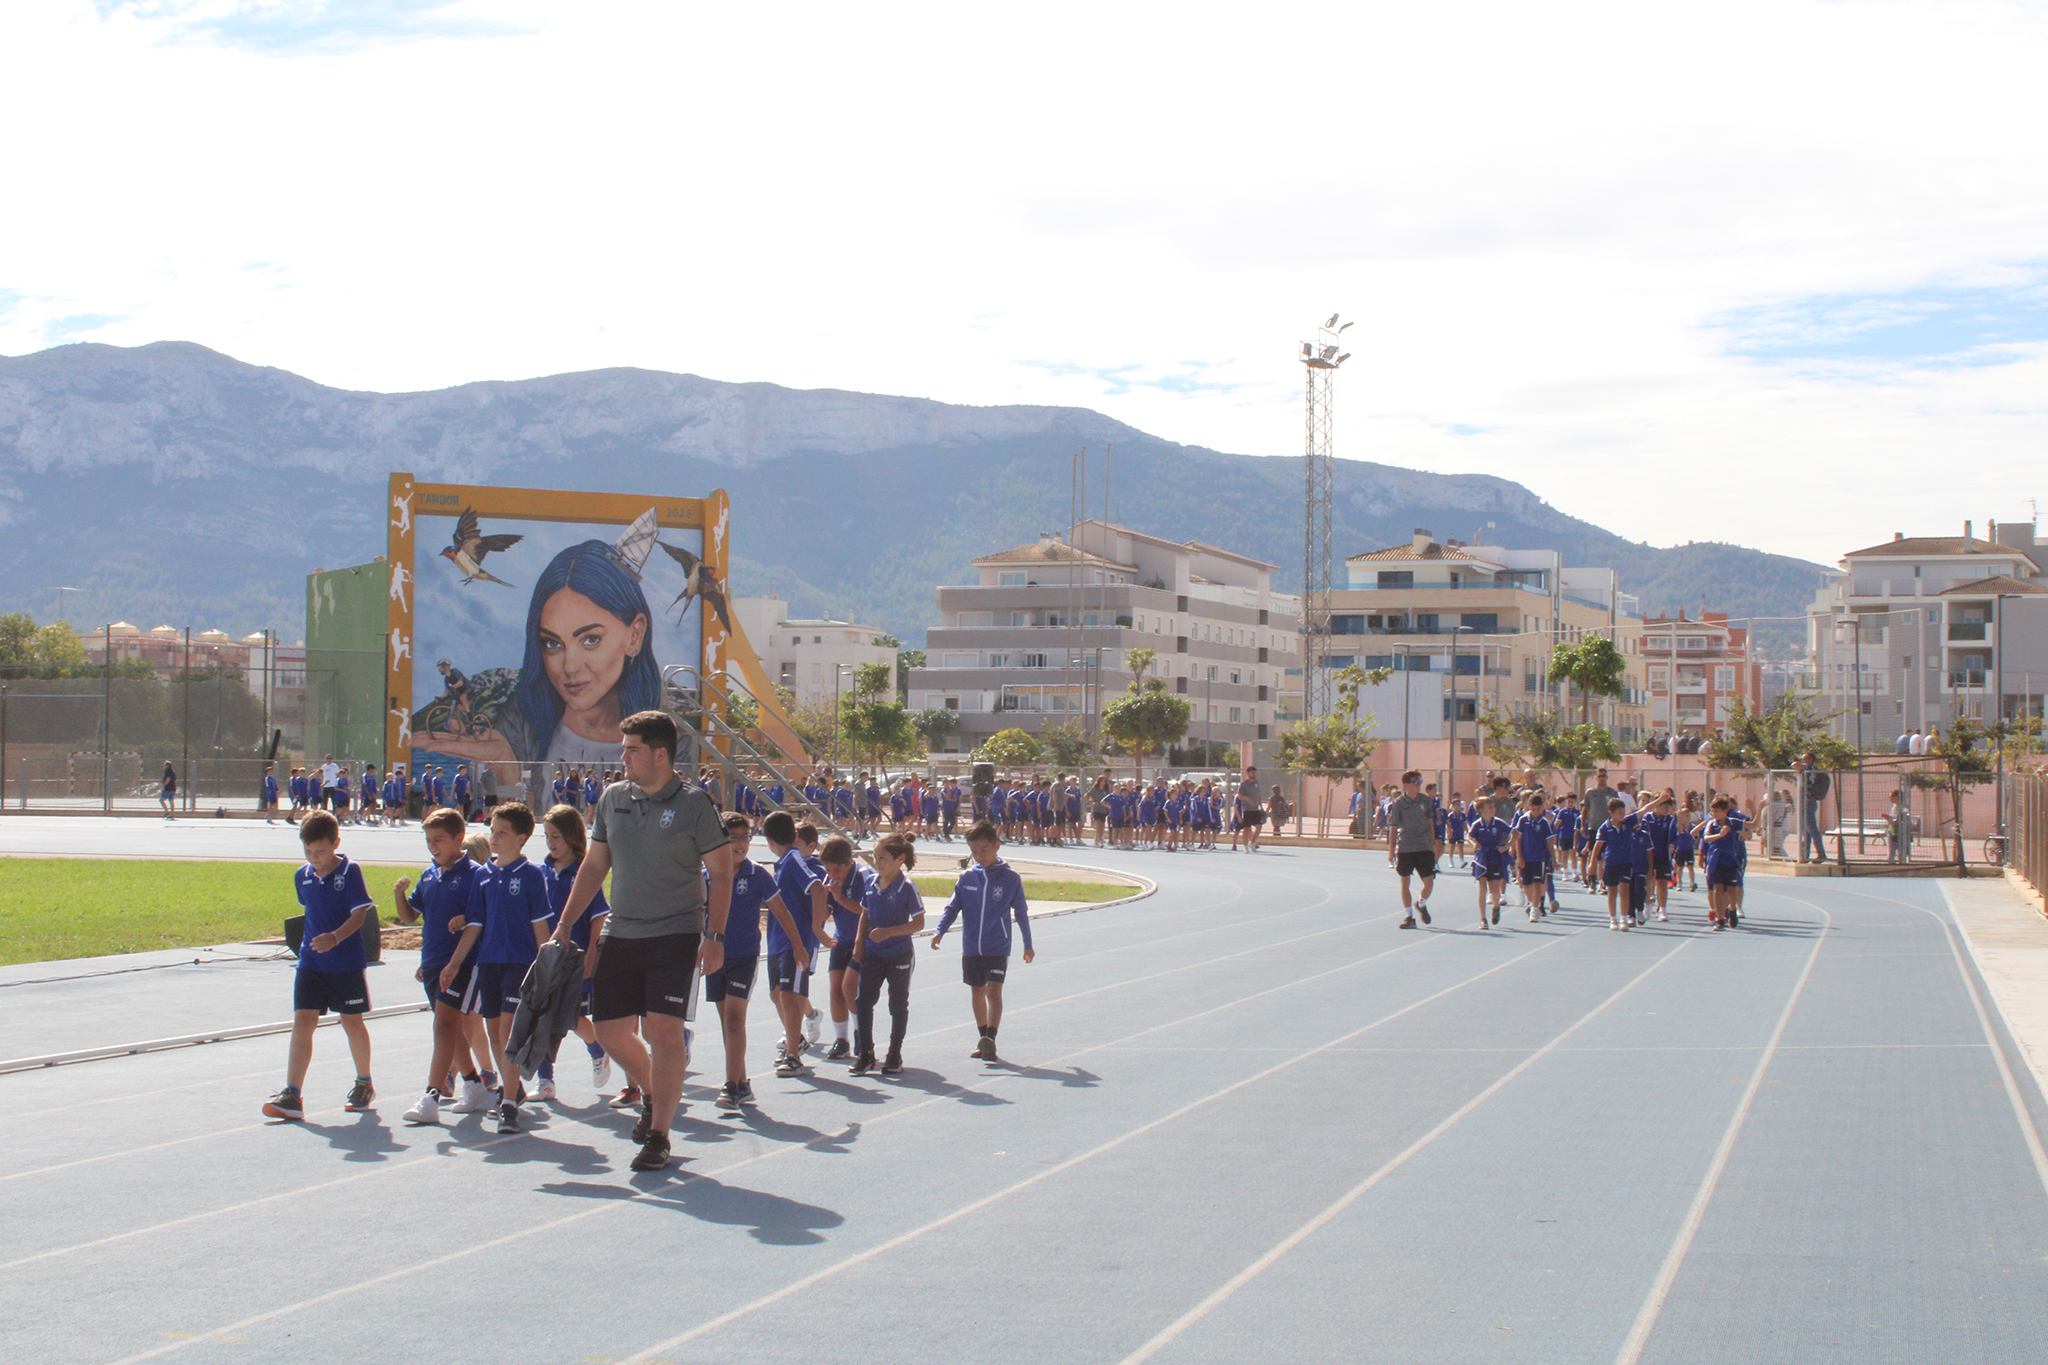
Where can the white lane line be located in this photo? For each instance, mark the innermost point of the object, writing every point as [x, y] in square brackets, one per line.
[1667, 1274]
[179, 1142]
[1180, 1325]
[859, 1258]
[438, 1154]
[651, 1196]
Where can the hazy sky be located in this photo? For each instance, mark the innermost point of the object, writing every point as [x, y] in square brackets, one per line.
[1772, 273]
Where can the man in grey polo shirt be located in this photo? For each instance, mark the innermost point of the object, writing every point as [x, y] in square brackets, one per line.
[1411, 844]
[1597, 797]
[656, 835]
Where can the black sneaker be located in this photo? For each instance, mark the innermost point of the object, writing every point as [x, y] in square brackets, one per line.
[1422, 912]
[840, 1049]
[360, 1095]
[285, 1104]
[646, 1123]
[892, 1063]
[629, 1098]
[1408, 923]
[787, 1066]
[508, 1117]
[728, 1096]
[863, 1064]
[743, 1092]
[1496, 912]
[986, 1049]
[653, 1153]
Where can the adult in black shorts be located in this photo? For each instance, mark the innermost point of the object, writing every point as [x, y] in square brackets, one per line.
[1411, 844]
[1250, 811]
[656, 835]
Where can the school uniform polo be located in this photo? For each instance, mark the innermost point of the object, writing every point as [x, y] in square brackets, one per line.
[441, 894]
[753, 886]
[332, 980]
[509, 901]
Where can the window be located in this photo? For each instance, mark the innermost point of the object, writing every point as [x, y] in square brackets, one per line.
[1658, 677]
[1484, 622]
[796, 639]
[1237, 713]
[1724, 677]
[1010, 580]
[1212, 673]
[998, 659]
[1235, 675]
[817, 639]
[1398, 578]
[1031, 661]
[1906, 662]
[1020, 618]
[952, 703]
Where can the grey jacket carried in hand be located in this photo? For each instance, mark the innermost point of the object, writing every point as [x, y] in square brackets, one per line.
[547, 1006]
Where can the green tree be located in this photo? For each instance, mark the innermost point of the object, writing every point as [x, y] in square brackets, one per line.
[742, 712]
[1144, 719]
[1012, 748]
[1139, 661]
[906, 659]
[1770, 739]
[1595, 666]
[56, 648]
[934, 723]
[1541, 739]
[1066, 746]
[868, 722]
[1339, 741]
[17, 640]
[1969, 752]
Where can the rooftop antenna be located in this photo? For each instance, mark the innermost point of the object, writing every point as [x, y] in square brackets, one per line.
[1320, 359]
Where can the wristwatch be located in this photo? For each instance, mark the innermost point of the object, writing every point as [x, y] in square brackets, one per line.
[711, 937]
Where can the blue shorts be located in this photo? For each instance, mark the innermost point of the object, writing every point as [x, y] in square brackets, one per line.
[430, 982]
[734, 980]
[1614, 874]
[1721, 874]
[496, 988]
[342, 992]
[783, 975]
[1490, 865]
[340, 801]
[983, 971]
[841, 958]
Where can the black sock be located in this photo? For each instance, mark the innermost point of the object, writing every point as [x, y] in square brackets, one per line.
[991, 1033]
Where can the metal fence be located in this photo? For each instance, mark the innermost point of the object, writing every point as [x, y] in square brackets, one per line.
[2027, 803]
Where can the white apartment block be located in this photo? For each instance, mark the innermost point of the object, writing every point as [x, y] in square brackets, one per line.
[812, 659]
[1916, 631]
[1044, 636]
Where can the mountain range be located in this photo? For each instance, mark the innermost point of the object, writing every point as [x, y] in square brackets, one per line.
[171, 483]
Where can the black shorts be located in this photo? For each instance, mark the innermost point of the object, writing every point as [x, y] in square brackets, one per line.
[638, 976]
[1720, 874]
[1534, 874]
[456, 996]
[497, 988]
[841, 957]
[1254, 816]
[735, 980]
[1416, 864]
[983, 971]
[1663, 865]
[342, 992]
[784, 976]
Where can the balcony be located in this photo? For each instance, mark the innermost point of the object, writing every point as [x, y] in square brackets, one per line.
[1441, 587]
[1969, 680]
[1969, 630]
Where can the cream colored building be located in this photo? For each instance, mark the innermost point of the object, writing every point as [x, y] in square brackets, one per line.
[813, 659]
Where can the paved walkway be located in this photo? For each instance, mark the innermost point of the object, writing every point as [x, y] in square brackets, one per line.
[1245, 1119]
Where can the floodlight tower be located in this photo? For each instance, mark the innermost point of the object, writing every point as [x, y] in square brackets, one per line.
[1320, 358]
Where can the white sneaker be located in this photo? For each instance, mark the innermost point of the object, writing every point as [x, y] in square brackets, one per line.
[1661, 916]
[813, 1022]
[544, 1091]
[601, 1073]
[476, 1097]
[427, 1110]
[1614, 924]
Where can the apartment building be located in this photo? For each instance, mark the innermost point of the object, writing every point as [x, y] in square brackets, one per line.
[1479, 621]
[812, 659]
[1914, 632]
[1044, 635]
[269, 667]
[1695, 670]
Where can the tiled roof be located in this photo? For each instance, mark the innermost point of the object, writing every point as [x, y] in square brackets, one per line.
[1055, 552]
[1933, 545]
[1985, 587]
[1394, 553]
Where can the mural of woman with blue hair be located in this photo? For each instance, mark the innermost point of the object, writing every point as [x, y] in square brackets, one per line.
[588, 665]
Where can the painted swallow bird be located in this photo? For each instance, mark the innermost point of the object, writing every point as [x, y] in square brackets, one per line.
[699, 582]
[466, 552]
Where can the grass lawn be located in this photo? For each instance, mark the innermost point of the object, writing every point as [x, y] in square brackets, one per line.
[1035, 888]
[75, 907]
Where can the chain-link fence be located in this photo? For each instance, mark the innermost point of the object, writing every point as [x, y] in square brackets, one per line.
[2026, 846]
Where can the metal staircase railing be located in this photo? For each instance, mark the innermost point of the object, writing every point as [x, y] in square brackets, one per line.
[714, 742]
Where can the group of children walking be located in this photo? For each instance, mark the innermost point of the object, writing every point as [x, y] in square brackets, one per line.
[1634, 848]
[484, 911]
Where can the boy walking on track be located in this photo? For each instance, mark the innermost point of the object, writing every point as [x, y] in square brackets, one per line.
[988, 898]
[657, 836]
[331, 963]
[1411, 844]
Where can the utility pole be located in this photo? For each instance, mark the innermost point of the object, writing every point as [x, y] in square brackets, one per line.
[1320, 359]
[107, 722]
[185, 730]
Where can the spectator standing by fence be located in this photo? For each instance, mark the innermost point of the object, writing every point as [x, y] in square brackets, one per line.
[1814, 785]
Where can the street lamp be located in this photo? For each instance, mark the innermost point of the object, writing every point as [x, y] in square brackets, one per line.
[1451, 782]
[837, 669]
[4, 688]
[1998, 671]
[1405, 652]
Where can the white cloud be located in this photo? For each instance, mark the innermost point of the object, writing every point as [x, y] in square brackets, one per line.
[1544, 218]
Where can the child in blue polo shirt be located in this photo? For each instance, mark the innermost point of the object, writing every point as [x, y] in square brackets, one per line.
[789, 959]
[1614, 852]
[891, 917]
[728, 988]
[988, 897]
[510, 899]
[437, 902]
[331, 962]
[846, 887]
